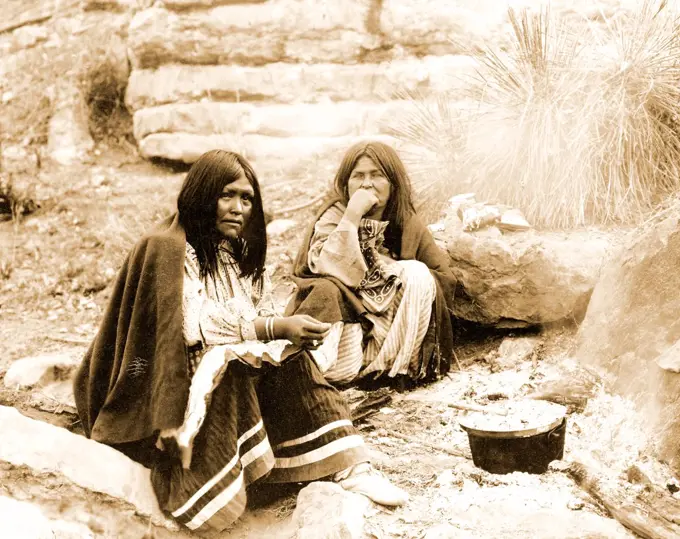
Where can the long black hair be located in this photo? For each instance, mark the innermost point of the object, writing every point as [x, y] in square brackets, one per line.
[399, 206]
[197, 207]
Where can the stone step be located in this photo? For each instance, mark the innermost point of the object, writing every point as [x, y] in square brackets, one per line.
[187, 147]
[298, 120]
[253, 34]
[294, 83]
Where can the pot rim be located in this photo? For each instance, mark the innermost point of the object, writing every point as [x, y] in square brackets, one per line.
[523, 433]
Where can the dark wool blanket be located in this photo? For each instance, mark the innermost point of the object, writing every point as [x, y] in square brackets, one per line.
[133, 381]
[329, 300]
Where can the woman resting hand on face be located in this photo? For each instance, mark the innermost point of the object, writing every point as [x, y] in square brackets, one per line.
[370, 267]
[193, 373]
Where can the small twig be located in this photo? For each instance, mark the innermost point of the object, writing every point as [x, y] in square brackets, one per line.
[71, 340]
[437, 447]
[455, 356]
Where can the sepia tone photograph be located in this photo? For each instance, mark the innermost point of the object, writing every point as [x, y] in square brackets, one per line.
[340, 269]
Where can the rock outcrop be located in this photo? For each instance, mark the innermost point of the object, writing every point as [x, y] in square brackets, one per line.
[346, 57]
[216, 73]
[632, 328]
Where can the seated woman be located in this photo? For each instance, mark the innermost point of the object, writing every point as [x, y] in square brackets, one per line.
[194, 375]
[371, 268]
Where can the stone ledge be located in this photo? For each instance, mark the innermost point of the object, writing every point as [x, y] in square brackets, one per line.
[296, 120]
[290, 83]
[187, 147]
[251, 34]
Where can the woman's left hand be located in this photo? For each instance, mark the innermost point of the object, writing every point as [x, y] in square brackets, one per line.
[303, 330]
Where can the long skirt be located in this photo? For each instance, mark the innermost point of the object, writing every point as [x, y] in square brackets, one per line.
[392, 346]
[277, 424]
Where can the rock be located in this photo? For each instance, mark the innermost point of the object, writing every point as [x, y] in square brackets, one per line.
[514, 351]
[280, 226]
[327, 511]
[189, 4]
[278, 120]
[19, 12]
[288, 83]
[69, 139]
[17, 159]
[91, 465]
[40, 370]
[576, 504]
[251, 34]
[631, 328]
[55, 398]
[29, 36]
[670, 359]
[451, 27]
[518, 348]
[118, 5]
[24, 520]
[525, 277]
[116, 52]
[313, 120]
[187, 147]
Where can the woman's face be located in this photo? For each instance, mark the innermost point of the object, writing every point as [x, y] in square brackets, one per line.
[367, 175]
[234, 207]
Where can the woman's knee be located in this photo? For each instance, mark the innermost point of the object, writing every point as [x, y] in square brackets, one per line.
[414, 270]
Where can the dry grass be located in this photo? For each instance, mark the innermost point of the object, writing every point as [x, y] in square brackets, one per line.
[102, 85]
[573, 125]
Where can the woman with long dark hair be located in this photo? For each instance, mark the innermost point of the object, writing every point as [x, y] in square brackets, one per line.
[193, 373]
[371, 268]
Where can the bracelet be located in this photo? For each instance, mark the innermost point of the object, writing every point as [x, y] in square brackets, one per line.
[269, 328]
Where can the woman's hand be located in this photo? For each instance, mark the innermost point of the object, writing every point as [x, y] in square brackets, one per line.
[361, 203]
[303, 330]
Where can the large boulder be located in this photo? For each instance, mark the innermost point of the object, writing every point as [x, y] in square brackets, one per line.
[524, 278]
[632, 328]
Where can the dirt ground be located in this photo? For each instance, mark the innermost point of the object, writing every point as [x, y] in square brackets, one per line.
[59, 261]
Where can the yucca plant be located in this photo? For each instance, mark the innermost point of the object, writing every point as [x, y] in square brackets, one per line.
[572, 125]
[637, 143]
